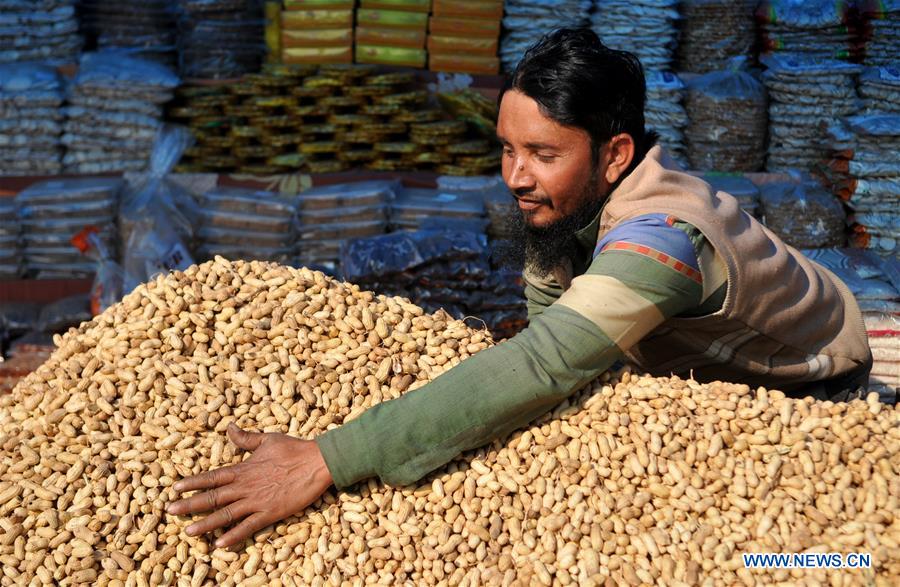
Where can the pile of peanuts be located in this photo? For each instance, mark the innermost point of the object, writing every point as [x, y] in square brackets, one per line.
[631, 481]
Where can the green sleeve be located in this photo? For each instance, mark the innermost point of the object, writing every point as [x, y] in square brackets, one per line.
[485, 397]
[503, 388]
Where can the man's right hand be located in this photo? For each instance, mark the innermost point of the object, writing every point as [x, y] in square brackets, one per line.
[282, 477]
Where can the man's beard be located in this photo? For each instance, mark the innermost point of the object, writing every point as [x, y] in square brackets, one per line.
[543, 249]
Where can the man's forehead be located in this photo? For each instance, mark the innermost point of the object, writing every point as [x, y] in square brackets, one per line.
[522, 121]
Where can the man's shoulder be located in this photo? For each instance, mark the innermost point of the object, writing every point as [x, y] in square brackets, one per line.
[662, 237]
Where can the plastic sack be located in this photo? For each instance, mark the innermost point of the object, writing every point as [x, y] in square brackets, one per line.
[248, 201]
[478, 225]
[647, 29]
[422, 203]
[883, 331]
[860, 271]
[477, 183]
[363, 193]
[208, 251]
[342, 230]
[63, 314]
[220, 38]
[157, 215]
[380, 256]
[30, 79]
[728, 120]
[114, 69]
[786, 64]
[451, 244]
[245, 221]
[713, 31]
[59, 192]
[393, 254]
[730, 83]
[19, 317]
[810, 14]
[378, 212]
[803, 214]
[225, 236]
[9, 224]
[473, 269]
[109, 279]
[880, 89]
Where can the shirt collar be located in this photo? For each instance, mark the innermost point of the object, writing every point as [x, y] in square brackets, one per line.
[586, 240]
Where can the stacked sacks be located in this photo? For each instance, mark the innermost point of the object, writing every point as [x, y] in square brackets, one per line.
[246, 224]
[317, 32]
[865, 274]
[728, 118]
[38, 30]
[329, 215]
[883, 331]
[380, 40]
[665, 113]
[526, 21]
[805, 96]
[463, 36]
[883, 45]
[817, 29]
[10, 253]
[487, 194]
[114, 113]
[879, 88]
[863, 172]
[803, 214]
[713, 32]
[220, 39]
[30, 120]
[874, 283]
[52, 212]
[647, 28]
[415, 208]
[144, 28]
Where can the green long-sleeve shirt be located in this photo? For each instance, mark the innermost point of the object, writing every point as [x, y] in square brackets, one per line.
[639, 275]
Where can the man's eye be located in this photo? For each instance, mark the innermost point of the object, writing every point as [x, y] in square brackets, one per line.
[546, 158]
[507, 153]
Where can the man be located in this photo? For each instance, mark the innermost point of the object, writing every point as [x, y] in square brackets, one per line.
[626, 255]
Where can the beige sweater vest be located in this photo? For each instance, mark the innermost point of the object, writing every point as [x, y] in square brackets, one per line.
[785, 320]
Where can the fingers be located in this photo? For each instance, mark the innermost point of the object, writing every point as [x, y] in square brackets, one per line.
[206, 480]
[243, 438]
[206, 501]
[244, 530]
[219, 518]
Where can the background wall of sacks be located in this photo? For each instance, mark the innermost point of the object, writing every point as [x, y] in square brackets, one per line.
[733, 87]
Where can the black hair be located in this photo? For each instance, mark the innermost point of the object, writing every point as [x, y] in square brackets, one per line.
[579, 82]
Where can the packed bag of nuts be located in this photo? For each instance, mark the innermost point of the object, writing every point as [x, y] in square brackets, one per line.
[633, 480]
[728, 120]
[30, 119]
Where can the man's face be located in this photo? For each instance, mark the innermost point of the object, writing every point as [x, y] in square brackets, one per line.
[549, 168]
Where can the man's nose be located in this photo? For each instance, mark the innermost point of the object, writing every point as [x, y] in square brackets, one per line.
[519, 176]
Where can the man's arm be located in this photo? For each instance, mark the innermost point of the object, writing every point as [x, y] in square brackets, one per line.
[626, 293]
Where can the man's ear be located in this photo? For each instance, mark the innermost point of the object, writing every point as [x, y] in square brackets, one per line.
[619, 153]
